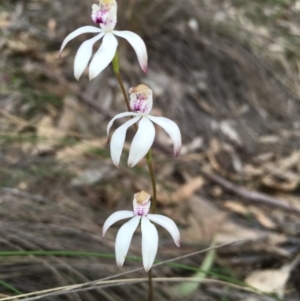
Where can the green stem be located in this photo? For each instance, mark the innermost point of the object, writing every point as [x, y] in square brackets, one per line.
[150, 294]
[153, 181]
[116, 68]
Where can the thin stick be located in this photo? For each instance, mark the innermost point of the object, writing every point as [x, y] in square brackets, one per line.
[252, 196]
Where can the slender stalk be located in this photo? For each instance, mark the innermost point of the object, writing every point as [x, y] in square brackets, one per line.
[153, 210]
[153, 181]
[116, 68]
[150, 295]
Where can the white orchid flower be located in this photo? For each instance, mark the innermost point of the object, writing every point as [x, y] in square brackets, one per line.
[104, 14]
[141, 105]
[141, 206]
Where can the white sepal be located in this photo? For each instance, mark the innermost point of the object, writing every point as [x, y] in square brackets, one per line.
[141, 142]
[115, 217]
[123, 239]
[104, 55]
[137, 44]
[168, 224]
[120, 115]
[84, 54]
[172, 130]
[77, 32]
[149, 243]
[118, 139]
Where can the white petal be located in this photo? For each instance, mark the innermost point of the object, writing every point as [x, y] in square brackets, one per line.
[118, 138]
[123, 239]
[104, 55]
[149, 243]
[172, 129]
[115, 217]
[141, 142]
[125, 114]
[77, 32]
[137, 44]
[168, 224]
[84, 54]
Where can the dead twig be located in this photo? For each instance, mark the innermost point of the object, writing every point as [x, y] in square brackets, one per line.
[252, 196]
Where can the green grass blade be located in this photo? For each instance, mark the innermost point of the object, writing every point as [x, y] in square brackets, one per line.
[187, 288]
[10, 287]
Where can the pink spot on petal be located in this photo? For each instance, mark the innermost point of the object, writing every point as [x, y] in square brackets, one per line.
[100, 16]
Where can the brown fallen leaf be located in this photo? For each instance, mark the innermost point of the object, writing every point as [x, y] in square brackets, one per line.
[262, 218]
[236, 207]
[183, 193]
[269, 281]
[187, 190]
[259, 214]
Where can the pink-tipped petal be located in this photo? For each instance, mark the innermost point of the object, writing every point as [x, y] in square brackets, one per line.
[84, 54]
[123, 239]
[141, 142]
[149, 243]
[138, 45]
[168, 224]
[104, 55]
[172, 130]
[115, 217]
[118, 139]
[77, 32]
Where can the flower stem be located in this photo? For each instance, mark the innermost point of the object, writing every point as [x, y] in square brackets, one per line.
[153, 181]
[150, 295]
[153, 210]
[116, 68]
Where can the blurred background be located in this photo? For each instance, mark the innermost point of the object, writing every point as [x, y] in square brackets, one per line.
[228, 73]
